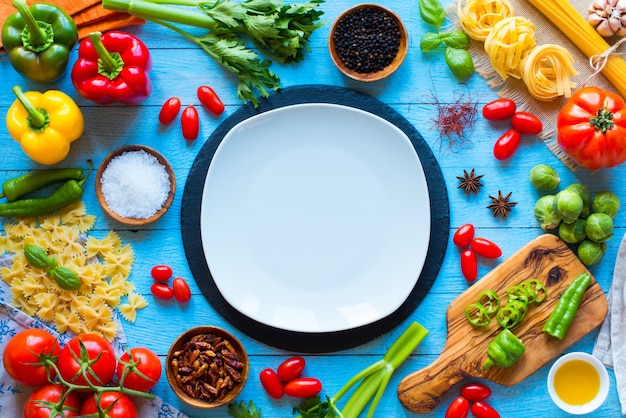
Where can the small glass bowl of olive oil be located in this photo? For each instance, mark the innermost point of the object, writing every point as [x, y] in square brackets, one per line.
[578, 383]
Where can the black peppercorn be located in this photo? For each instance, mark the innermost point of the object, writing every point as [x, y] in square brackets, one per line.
[367, 39]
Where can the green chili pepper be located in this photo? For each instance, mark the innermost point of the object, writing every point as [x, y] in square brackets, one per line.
[70, 192]
[490, 300]
[17, 187]
[37, 257]
[39, 40]
[504, 351]
[509, 315]
[518, 293]
[563, 314]
[477, 315]
[540, 290]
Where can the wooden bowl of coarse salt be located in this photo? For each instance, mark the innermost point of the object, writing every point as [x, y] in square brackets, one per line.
[135, 185]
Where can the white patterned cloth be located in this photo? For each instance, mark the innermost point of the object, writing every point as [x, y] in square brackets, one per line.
[13, 394]
[610, 345]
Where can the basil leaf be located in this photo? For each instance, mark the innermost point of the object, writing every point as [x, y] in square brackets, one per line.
[36, 256]
[430, 41]
[432, 12]
[460, 62]
[455, 39]
[66, 278]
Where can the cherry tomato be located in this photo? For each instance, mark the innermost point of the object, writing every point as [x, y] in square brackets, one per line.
[475, 392]
[162, 291]
[526, 123]
[87, 348]
[210, 100]
[481, 409]
[271, 383]
[182, 293]
[291, 368]
[36, 407]
[486, 248]
[459, 408]
[469, 266]
[303, 387]
[25, 350]
[144, 373]
[463, 236]
[161, 273]
[121, 406]
[507, 144]
[190, 123]
[499, 109]
[169, 110]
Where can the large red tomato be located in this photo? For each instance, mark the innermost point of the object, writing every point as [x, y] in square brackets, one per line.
[121, 406]
[41, 403]
[592, 128]
[90, 349]
[145, 374]
[24, 353]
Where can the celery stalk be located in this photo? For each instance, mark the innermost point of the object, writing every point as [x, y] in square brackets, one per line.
[373, 380]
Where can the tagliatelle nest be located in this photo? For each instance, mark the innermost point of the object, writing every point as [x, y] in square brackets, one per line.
[103, 266]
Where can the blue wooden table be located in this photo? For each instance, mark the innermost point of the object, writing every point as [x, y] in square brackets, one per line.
[179, 68]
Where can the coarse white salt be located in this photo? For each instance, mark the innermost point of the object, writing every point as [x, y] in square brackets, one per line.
[135, 184]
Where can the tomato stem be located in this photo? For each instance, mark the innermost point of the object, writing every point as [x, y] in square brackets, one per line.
[603, 121]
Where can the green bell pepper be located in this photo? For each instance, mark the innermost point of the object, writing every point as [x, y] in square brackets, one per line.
[39, 40]
[504, 351]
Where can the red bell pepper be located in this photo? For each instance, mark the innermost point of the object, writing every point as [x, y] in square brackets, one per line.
[113, 67]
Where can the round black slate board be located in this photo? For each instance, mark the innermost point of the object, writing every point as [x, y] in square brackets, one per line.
[322, 341]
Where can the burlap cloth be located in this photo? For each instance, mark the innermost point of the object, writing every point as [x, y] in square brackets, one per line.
[546, 33]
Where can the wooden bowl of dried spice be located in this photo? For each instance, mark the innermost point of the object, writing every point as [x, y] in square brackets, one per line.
[368, 42]
[207, 367]
[135, 185]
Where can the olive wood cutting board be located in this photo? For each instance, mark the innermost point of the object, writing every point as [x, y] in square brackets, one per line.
[547, 259]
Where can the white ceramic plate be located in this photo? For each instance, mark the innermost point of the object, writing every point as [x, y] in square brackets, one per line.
[315, 218]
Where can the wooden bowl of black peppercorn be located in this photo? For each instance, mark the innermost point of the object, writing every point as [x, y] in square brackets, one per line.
[368, 42]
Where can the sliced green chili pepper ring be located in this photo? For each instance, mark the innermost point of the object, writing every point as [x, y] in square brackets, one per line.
[530, 291]
[508, 316]
[517, 293]
[540, 290]
[476, 315]
[490, 300]
[520, 306]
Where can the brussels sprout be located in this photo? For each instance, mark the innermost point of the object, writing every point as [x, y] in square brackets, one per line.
[545, 213]
[584, 194]
[599, 227]
[544, 177]
[573, 233]
[606, 202]
[591, 252]
[568, 205]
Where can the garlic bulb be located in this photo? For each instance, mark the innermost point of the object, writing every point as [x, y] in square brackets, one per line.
[608, 17]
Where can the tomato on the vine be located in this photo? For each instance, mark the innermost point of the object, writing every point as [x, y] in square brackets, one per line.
[526, 123]
[291, 368]
[144, 371]
[499, 109]
[303, 387]
[210, 100]
[459, 408]
[190, 123]
[169, 110]
[24, 355]
[181, 289]
[475, 392]
[41, 403]
[507, 144]
[486, 248]
[86, 348]
[469, 265]
[271, 383]
[463, 236]
[121, 405]
[481, 409]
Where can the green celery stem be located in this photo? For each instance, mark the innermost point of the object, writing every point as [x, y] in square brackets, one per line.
[108, 62]
[37, 119]
[37, 35]
[154, 11]
[362, 395]
[405, 344]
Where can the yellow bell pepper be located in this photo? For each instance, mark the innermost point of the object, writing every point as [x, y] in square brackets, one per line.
[45, 124]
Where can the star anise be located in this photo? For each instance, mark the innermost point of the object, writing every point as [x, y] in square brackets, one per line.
[470, 182]
[501, 206]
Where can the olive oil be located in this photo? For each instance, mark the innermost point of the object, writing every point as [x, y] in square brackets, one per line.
[576, 382]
